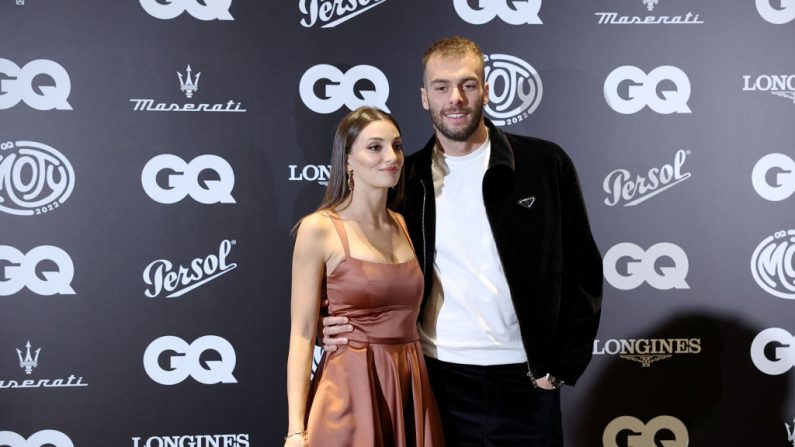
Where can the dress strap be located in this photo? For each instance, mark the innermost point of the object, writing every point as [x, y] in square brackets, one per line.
[335, 219]
[405, 230]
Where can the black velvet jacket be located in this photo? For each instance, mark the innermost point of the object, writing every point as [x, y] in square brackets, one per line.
[539, 222]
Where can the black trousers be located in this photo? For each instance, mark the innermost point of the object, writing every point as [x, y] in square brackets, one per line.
[494, 406]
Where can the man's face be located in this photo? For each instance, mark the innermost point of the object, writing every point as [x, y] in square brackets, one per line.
[454, 94]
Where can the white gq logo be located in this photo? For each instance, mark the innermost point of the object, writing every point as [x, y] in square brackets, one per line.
[185, 360]
[783, 351]
[38, 439]
[512, 12]
[776, 16]
[202, 10]
[642, 91]
[20, 86]
[773, 177]
[773, 264]
[641, 266]
[340, 88]
[643, 435]
[183, 179]
[19, 271]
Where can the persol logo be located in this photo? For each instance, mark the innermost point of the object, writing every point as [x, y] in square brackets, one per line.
[333, 12]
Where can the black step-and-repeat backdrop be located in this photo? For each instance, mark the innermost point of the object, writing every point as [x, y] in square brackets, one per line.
[155, 153]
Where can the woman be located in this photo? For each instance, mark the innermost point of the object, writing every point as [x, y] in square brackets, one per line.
[374, 391]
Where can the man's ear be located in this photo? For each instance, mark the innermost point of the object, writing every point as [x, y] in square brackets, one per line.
[424, 98]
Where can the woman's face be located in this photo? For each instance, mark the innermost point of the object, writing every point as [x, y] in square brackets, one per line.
[376, 156]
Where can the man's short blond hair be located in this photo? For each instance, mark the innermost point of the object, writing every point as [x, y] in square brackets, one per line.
[457, 47]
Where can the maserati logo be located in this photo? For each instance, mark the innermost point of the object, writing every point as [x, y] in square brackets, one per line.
[189, 86]
[650, 4]
[28, 362]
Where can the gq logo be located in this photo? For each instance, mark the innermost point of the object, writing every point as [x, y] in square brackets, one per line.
[39, 439]
[202, 10]
[49, 181]
[639, 434]
[512, 12]
[642, 90]
[773, 351]
[18, 270]
[186, 360]
[642, 266]
[521, 89]
[776, 16]
[773, 264]
[20, 87]
[773, 177]
[183, 179]
[324, 88]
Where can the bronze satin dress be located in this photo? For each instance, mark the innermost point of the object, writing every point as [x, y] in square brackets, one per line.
[374, 391]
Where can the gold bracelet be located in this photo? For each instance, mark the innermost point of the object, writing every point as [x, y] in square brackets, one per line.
[290, 435]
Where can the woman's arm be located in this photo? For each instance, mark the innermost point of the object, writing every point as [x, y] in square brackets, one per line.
[308, 267]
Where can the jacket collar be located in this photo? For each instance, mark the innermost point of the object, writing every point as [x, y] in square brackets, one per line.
[501, 152]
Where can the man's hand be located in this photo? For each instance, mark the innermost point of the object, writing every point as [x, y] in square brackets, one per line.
[333, 326]
[543, 383]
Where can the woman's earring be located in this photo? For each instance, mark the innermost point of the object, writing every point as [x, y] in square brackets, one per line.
[350, 180]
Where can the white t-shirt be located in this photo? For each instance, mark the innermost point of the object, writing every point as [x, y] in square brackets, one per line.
[469, 317]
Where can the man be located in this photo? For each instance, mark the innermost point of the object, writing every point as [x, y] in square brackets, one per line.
[513, 278]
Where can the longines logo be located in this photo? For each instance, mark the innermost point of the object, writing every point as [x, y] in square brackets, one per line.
[616, 18]
[325, 88]
[772, 264]
[778, 85]
[521, 89]
[49, 181]
[773, 351]
[628, 90]
[161, 278]
[49, 438]
[189, 86]
[45, 270]
[230, 440]
[187, 360]
[773, 177]
[183, 179]
[511, 12]
[310, 173]
[622, 189]
[18, 85]
[647, 350]
[333, 12]
[777, 12]
[638, 266]
[28, 361]
[636, 433]
[200, 9]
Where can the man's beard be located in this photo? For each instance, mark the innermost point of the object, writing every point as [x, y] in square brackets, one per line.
[458, 134]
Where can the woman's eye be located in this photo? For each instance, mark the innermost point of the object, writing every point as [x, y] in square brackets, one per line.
[374, 147]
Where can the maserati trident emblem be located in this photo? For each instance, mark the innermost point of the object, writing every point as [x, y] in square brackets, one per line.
[28, 362]
[188, 85]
